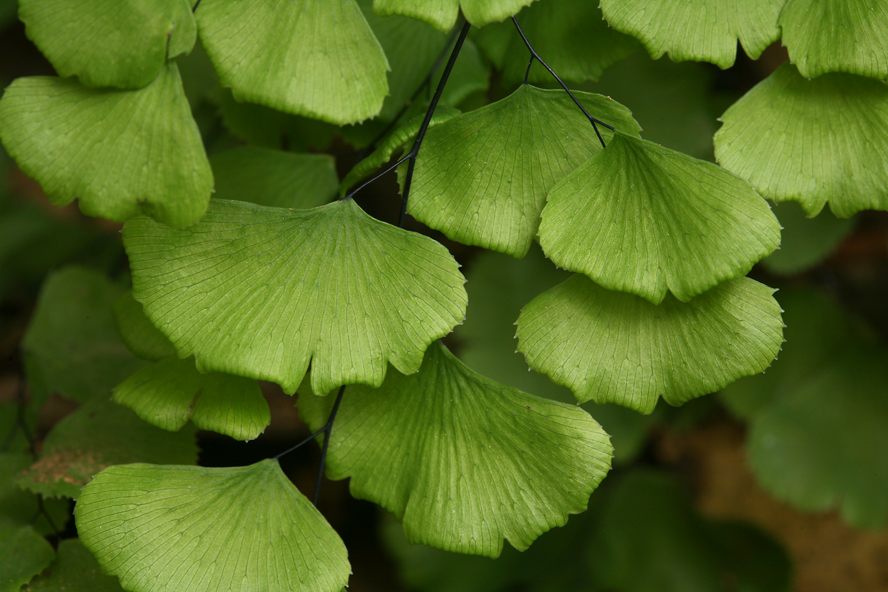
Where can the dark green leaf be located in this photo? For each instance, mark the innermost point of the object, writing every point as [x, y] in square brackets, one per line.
[804, 242]
[75, 570]
[23, 555]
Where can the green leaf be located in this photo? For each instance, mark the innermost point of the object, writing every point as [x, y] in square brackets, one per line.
[665, 222]
[172, 391]
[274, 178]
[119, 152]
[482, 178]
[140, 336]
[811, 141]
[571, 36]
[441, 14]
[468, 463]
[99, 434]
[236, 529]
[804, 242]
[72, 347]
[23, 555]
[318, 59]
[613, 347]
[839, 36]
[23, 507]
[75, 570]
[259, 292]
[699, 31]
[108, 42]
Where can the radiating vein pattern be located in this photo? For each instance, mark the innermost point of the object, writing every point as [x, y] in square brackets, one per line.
[612, 347]
[462, 460]
[442, 14]
[259, 291]
[168, 528]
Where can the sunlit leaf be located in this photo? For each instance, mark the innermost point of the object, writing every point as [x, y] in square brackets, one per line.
[172, 391]
[441, 14]
[837, 36]
[705, 31]
[274, 177]
[140, 336]
[461, 460]
[196, 529]
[481, 178]
[318, 59]
[75, 570]
[260, 292]
[108, 42]
[615, 347]
[118, 152]
[72, 346]
[804, 242]
[663, 222]
[23, 555]
[811, 141]
[99, 434]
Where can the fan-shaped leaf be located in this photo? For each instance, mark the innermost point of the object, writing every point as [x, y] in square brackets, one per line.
[259, 292]
[811, 141]
[140, 336]
[172, 391]
[644, 219]
[838, 36]
[441, 14]
[108, 42]
[705, 31]
[615, 347]
[23, 555]
[119, 152]
[462, 460]
[196, 529]
[274, 177]
[482, 178]
[75, 570]
[318, 59]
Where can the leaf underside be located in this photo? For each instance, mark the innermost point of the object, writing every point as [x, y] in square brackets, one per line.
[613, 347]
[260, 292]
[195, 529]
[441, 14]
[463, 461]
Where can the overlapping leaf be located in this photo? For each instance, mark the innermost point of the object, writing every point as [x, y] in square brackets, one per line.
[441, 14]
[196, 529]
[274, 177]
[140, 336]
[482, 178]
[318, 59]
[23, 508]
[699, 31]
[23, 555]
[463, 461]
[118, 152]
[259, 292]
[615, 347]
[172, 391]
[108, 42]
[99, 434]
[75, 570]
[839, 36]
[811, 141]
[644, 219]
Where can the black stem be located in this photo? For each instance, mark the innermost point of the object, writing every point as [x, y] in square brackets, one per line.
[529, 64]
[329, 429]
[386, 171]
[534, 55]
[193, 10]
[428, 118]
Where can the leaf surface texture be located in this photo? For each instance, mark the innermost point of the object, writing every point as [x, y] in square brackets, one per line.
[441, 14]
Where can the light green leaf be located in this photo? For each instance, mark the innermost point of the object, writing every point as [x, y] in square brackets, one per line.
[108, 42]
[23, 507]
[274, 178]
[196, 529]
[660, 221]
[75, 570]
[613, 347]
[118, 152]
[318, 59]
[699, 30]
[482, 178]
[469, 462]
[441, 14]
[259, 292]
[811, 141]
[838, 36]
[72, 347]
[23, 555]
[172, 391]
[140, 336]
[804, 242]
[571, 36]
[99, 434]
